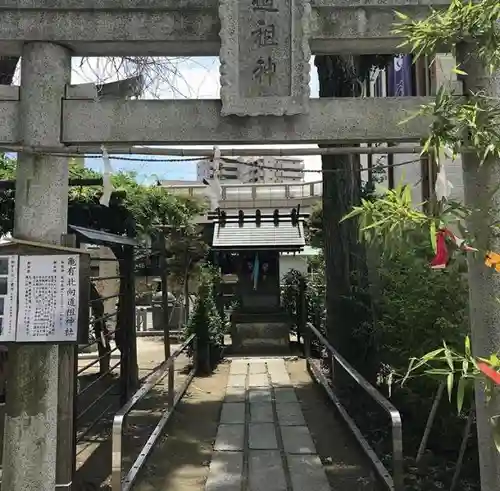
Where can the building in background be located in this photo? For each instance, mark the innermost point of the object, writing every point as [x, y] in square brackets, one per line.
[254, 170]
[271, 169]
[228, 171]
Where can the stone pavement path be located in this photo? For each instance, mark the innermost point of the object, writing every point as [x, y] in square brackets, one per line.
[263, 443]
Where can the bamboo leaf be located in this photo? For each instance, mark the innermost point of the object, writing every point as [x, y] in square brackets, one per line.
[462, 383]
[449, 357]
[449, 383]
[432, 232]
[437, 371]
[426, 358]
[467, 346]
[400, 15]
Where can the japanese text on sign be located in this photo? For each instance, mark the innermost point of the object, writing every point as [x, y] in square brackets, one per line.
[265, 5]
[48, 304]
[8, 297]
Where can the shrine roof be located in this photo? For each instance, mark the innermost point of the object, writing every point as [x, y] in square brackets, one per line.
[101, 237]
[284, 236]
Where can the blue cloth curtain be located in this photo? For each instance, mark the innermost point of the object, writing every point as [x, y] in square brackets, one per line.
[255, 271]
[399, 76]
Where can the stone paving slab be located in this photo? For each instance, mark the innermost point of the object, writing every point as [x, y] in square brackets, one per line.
[261, 412]
[290, 414]
[258, 380]
[285, 395]
[233, 412]
[226, 472]
[297, 439]
[278, 372]
[258, 367]
[235, 394]
[307, 473]
[263, 443]
[274, 363]
[238, 368]
[266, 471]
[280, 379]
[259, 395]
[237, 381]
[230, 437]
[262, 436]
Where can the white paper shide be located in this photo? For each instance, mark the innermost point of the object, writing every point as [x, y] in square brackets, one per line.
[48, 298]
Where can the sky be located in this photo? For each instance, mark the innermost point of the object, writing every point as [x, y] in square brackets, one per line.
[189, 78]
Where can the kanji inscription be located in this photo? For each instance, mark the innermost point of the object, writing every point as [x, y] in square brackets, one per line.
[48, 303]
[264, 57]
[8, 297]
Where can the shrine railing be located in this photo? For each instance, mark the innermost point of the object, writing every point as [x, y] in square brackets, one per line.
[119, 482]
[394, 481]
[255, 191]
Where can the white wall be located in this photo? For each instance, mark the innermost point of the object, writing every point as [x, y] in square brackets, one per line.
[289, 262]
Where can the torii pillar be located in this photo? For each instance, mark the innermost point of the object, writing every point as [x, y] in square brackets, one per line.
[481, 189]
[30, 439]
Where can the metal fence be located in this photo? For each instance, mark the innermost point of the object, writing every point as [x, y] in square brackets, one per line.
[105, 360]
[102, 369]
[119, 481]
[99, 367]
[395, 480]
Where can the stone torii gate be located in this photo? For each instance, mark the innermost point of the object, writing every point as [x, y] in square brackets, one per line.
[264, 48]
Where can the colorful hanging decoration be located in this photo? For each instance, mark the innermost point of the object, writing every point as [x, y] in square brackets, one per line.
[492, 260]
[442, 257]
[255, 272]
[440, 260]
[490, 372]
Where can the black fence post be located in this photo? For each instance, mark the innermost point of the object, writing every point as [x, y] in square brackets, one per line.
[126, 330]
[164, 294]
[66, 397]
[301, 310]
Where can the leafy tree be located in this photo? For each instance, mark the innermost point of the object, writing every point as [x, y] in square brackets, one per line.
[206, 322]
[134, 208]
[315, 226]
[7, 171]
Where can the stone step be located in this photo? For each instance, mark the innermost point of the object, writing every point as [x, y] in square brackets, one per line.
[257, 337]
[261, 337]
[260, 316]
[264, 330]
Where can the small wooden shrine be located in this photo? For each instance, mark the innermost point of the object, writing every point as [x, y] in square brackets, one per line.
[246, 249]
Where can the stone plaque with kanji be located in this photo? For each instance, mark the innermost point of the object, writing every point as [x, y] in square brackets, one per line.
[264, 57]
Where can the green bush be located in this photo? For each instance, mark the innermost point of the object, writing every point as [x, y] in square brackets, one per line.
[206, 322]
[418, 307]
[415, 308]
[315, 293]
